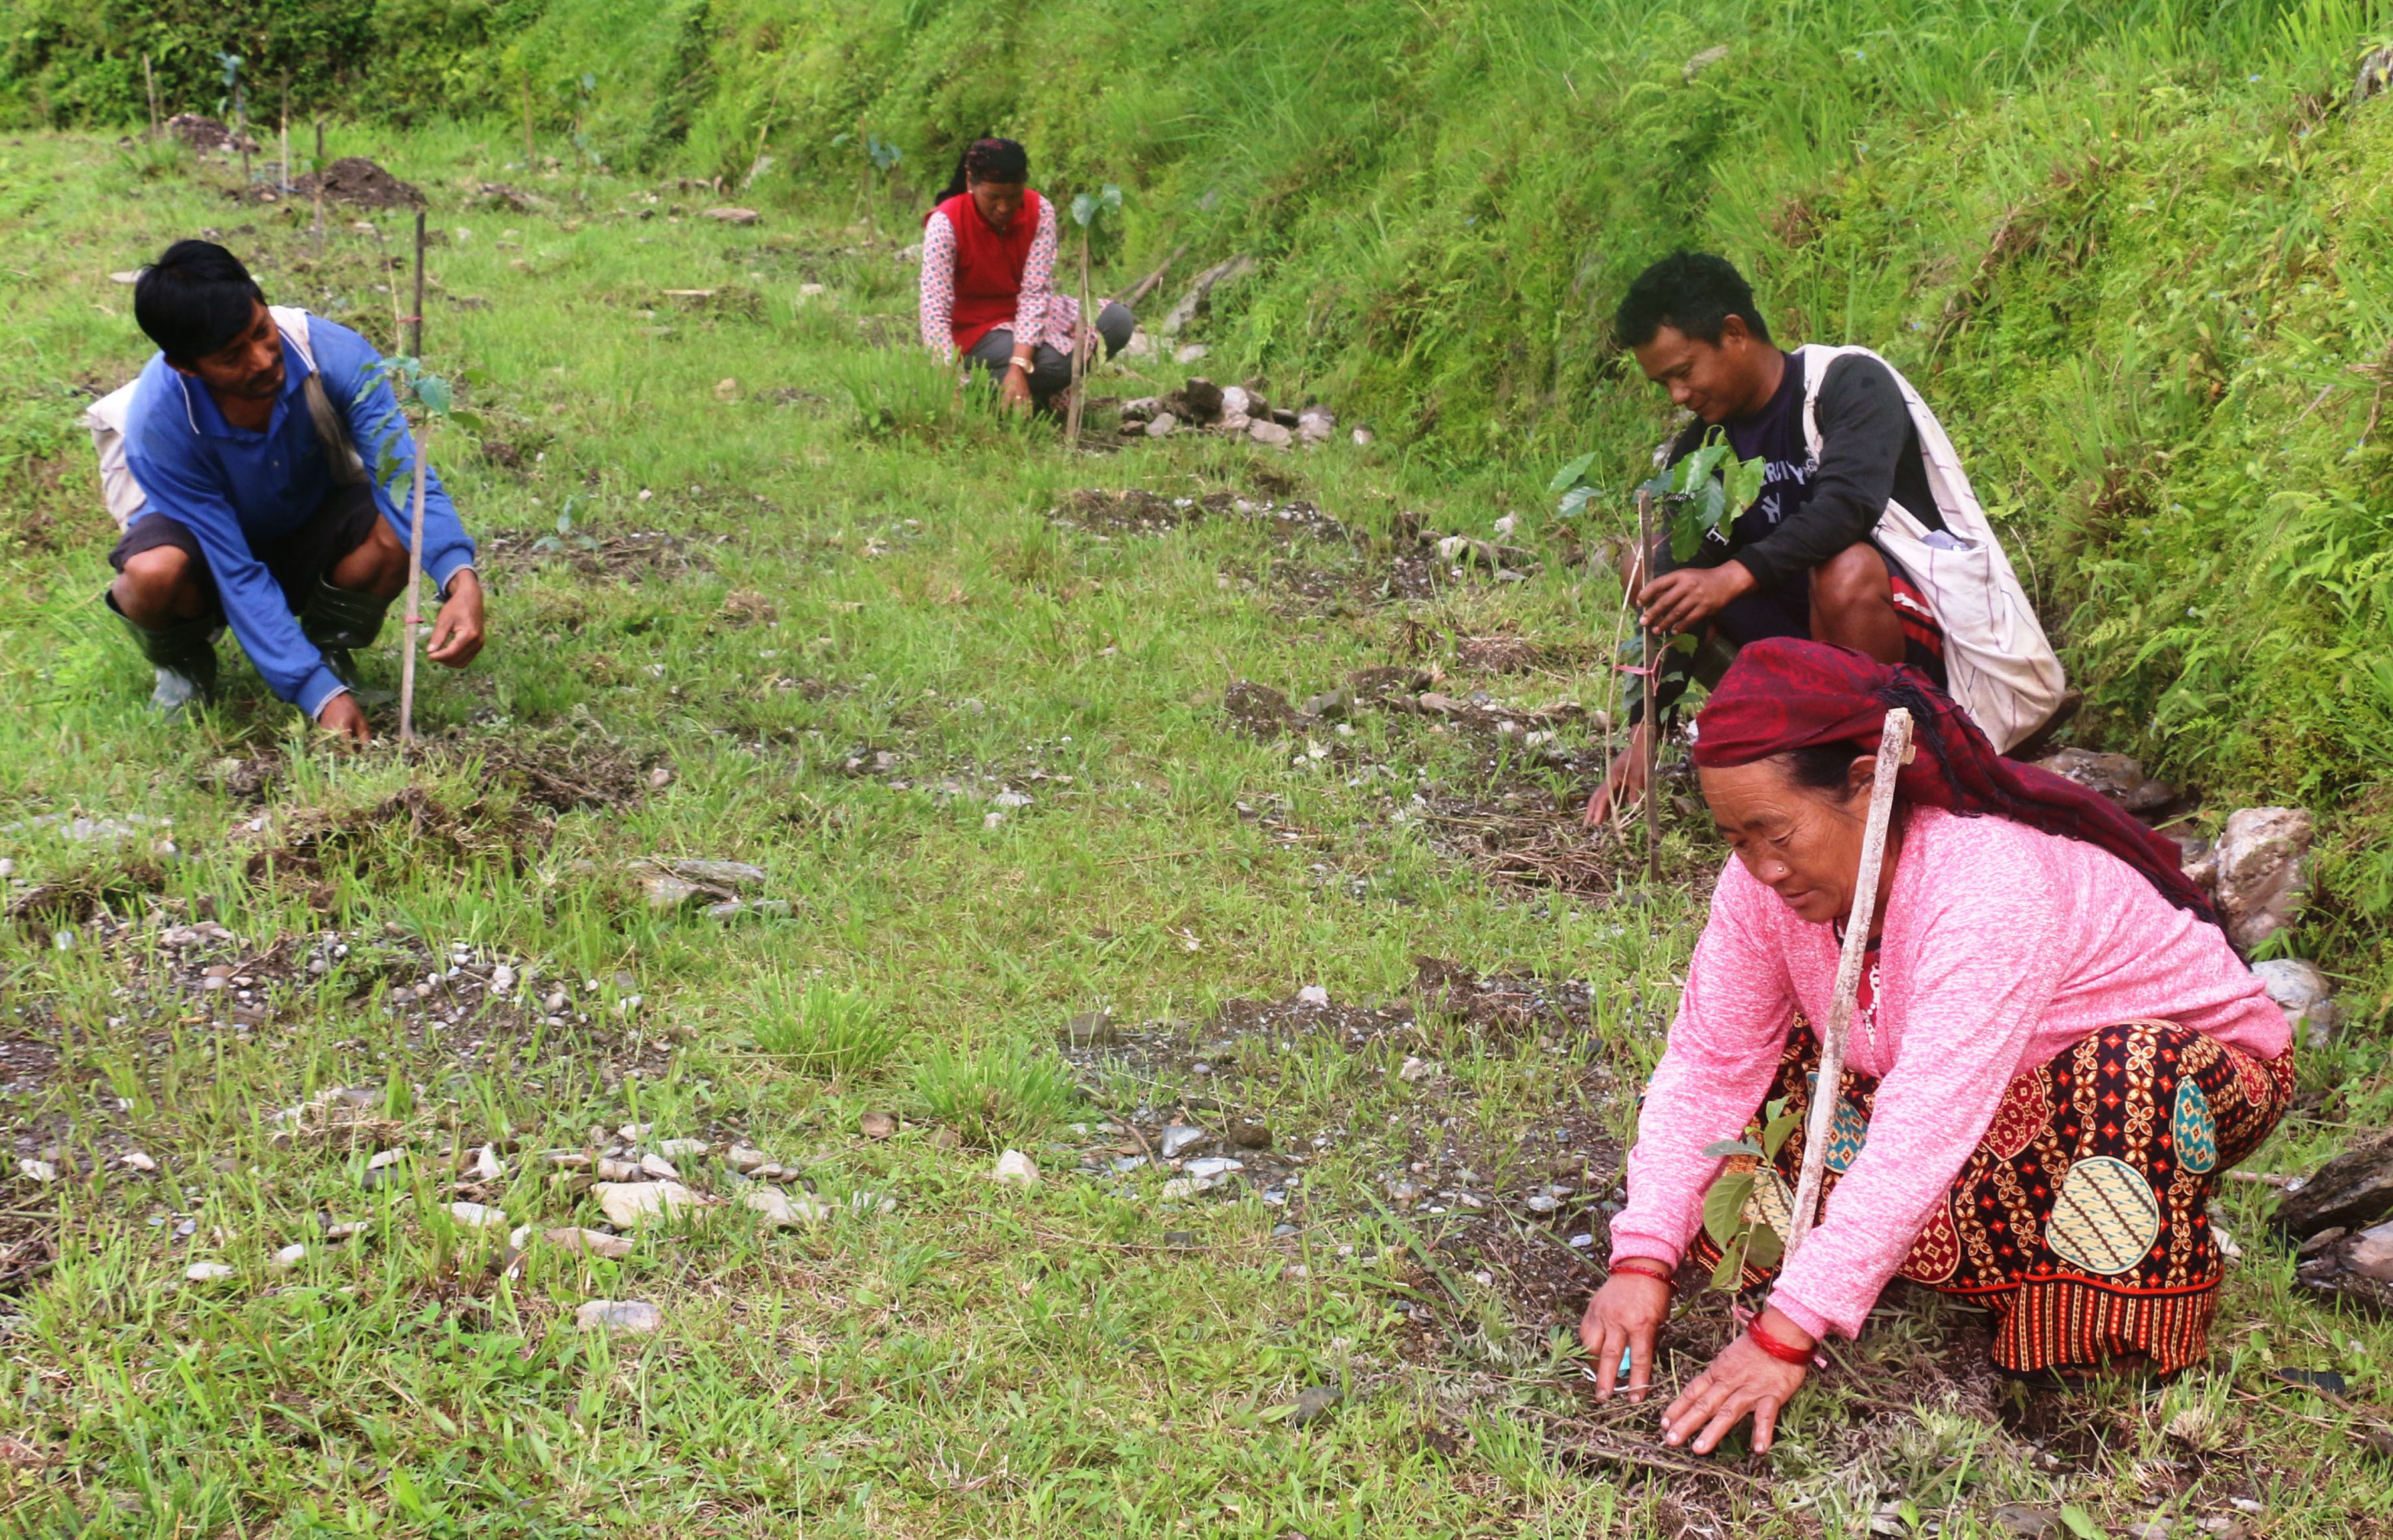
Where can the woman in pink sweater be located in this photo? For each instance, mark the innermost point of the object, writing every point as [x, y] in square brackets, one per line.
[2055, 1055]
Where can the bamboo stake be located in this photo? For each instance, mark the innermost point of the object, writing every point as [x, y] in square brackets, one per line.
[319, 190]
[415, 321]
[1081, 332]
[283, 172]
[150, 79]
[414, 585]
[1651, 659]
[1893, 753]
[527, 107]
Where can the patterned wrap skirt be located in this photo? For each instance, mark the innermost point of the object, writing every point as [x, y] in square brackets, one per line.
[2081, 1219]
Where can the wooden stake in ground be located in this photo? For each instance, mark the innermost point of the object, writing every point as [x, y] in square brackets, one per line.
[1650, 656]
[526, 104]
[150, 79]
[319, 169]
[415, 321]
[1081, 332]
[414, 586]
[1893, 753]
[283, 172]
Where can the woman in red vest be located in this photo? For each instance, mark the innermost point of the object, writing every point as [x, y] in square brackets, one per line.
[988, 266]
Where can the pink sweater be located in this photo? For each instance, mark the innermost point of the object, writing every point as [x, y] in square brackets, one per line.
[2002, 946]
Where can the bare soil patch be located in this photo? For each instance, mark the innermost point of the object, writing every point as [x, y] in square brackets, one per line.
[359, 183]
[623, 557]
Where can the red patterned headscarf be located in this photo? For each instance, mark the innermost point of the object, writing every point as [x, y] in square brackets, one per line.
[1786, 694]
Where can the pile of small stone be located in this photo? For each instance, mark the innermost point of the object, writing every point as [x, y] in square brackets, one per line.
[1231, 411]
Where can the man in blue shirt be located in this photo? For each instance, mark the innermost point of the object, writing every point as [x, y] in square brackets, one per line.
[249, 435]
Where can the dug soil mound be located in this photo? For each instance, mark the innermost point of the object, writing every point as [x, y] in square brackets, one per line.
[359, 183]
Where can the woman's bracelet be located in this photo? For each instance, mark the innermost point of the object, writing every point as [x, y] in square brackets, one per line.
[1650, 1267]
[1777, 1348]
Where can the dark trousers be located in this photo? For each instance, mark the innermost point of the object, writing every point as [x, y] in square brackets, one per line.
[344, 521]
[1050, 372]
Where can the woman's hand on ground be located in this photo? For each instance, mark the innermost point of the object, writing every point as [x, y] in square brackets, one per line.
[1624, 783]
[1743, 1381]
[1016, 392]
[1627, 1312]
[457, 630]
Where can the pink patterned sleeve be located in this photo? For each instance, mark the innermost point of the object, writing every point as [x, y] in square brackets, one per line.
[1722, 1052]
[1032, 310]
[939, 285]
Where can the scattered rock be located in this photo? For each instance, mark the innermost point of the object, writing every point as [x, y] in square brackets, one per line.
[139, 1161]
[1201, 399]
[2305, 995]
[721, 874]
[2263, 871]
[1270, 435]
[2029, 1523]
[742, 1159]
[1315, 424]
[1313, 1403]
[2353, 1190]
[290, 1256]
[1314, 994]
[1194, 352]
[1211, 1167]
[631, 1204]
[780, 1209]
[1090, 1029]
[1015, 1169]
[877, 1125]
[486, 1165]
[631, 1317]
[1179, 1136]
[2118, 778]
[680, 1149]
[1161, 425]
[611, 1170]
[1364, 436]
[1257, 708]
[208, 1273]
[2358, 1268]
[1417, 1070]
[727, 389]
[594, 1243]
[731, 216]
[1251, 1133]
[667, 893]
[1702, 61]
[1201, 293]
[655, 1164]
[37, 1170]
[477, 1216]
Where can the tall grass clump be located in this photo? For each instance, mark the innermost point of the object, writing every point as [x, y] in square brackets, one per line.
[818, 1028]
[994, 1094]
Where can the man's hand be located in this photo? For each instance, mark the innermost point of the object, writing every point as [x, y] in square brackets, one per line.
[1742, 1381]
[1016, 392]
[1624, 783]
[1625, 1312]
[457, 630]
[343, 714]
[1685, 599]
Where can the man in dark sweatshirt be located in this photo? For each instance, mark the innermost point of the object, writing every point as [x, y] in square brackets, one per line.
[1801, 560]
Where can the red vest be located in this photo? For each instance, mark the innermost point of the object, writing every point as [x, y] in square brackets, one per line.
[988, 268]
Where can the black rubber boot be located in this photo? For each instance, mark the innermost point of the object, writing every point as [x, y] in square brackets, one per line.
[185, 655]
[340, 621]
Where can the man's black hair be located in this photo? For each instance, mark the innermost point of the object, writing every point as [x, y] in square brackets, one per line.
[195, 299]
[987, 161]
[1689, 292]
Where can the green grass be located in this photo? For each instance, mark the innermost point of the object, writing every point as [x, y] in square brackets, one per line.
[1084, 1357]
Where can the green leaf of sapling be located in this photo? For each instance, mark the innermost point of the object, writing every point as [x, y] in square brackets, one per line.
[1724, 1207]
[1568, 477]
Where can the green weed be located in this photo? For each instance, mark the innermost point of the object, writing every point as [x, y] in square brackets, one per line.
[817, 1029]
[996, 1094]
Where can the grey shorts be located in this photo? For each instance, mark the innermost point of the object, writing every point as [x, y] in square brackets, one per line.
[1051, 371]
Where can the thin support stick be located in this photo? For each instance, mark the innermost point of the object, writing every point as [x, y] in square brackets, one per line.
[1650, 655]
[415, 321]
[283, 172]
[1893, 753]
[414, 585]
[527, 106]
[150, 79]
[1080, 333]
[319, 190]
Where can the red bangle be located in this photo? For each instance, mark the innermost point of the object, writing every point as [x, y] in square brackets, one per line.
[1785, 1352]
[1650, 1267]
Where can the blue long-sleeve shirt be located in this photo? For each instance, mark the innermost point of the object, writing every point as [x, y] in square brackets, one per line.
[234, 489]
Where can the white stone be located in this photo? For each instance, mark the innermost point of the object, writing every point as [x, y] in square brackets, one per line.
[2263, 858]
[658, 1166]
[674, 1149]
[631, 1317]
[208, 1273]
[2305, 995]
[1015, 1169]
[1416, 1070]
[1265, 432]
[784, 1210]
[1211, 1166]
[742, 1159]
[36, 1170]
[290, 1256]
[486, 1164]
[477, 1216]
[1179, 1137]
[1363, 436]
[1314, 994]
[1193, 353]
[632, 1204]
[595, 1243]
[139, 1161]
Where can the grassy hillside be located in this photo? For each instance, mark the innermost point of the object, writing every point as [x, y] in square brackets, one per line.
[2137, 254]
